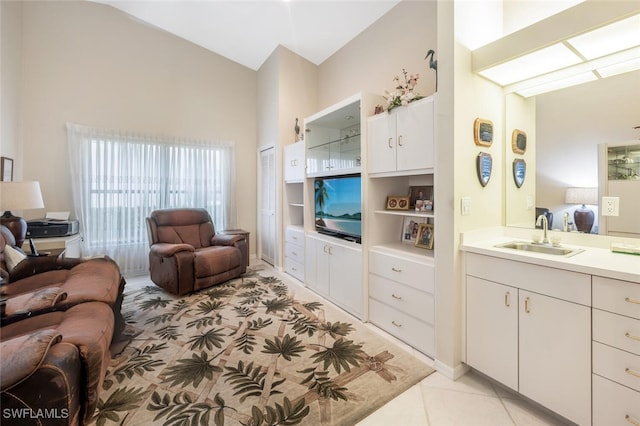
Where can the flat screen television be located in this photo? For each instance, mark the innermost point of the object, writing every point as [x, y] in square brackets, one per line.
[338, 206]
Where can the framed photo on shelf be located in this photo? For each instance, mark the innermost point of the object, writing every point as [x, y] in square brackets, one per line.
[421, 198]
[397, 202]
[7, 169]
[410, 228]
[424, 239]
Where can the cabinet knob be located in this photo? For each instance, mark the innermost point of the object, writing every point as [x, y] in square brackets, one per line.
[390, 143]
[400, 140]
[394, 269]
[396, 324]
[395, 296]
[632, 372]
[507, 299]
[631, 300]
[631, 420]
[527, 307]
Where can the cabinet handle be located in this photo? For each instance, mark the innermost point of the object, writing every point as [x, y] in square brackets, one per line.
[630, 300]
[631, 420]
[294, 253]
[395, 296]
[330, 252]
[396, 324]
[631, 336]
[632, 372]
[324, 249]
[527, 302]
[400, 140]
[394, 269]
[389, 142]
[507, 299]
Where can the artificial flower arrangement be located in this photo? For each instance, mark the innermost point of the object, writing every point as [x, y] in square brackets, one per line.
[403, 92]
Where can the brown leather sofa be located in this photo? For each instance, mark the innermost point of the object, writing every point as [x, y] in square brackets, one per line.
[187, 255]
[59, 317]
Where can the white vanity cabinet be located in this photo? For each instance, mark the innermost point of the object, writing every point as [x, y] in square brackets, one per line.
[401, 297]
[534, 323]
[333, 268]
[403, 139]
[616, 352]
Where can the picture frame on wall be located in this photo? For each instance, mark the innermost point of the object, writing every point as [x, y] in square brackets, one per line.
[483, 132]
[424, 239]
[6, 169]
[410, 228]
[421, 198]
[397, 202]
[518, 141]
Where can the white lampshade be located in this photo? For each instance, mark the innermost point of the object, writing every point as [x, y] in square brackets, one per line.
[20, 196]
[582, 196]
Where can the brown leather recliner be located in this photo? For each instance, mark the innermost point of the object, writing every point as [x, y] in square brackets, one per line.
[187, 255]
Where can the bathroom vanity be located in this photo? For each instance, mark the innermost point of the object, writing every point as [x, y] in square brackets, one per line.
[560, 327]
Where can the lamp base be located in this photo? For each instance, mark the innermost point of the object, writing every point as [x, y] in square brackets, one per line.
[17, 226]
[583, 218]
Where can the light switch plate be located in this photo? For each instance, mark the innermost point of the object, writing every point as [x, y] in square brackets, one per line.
[610, 206]
[465, 206]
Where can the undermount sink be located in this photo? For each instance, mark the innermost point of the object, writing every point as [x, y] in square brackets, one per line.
[540, 248]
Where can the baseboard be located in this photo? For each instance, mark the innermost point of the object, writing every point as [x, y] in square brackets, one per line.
[451, 373]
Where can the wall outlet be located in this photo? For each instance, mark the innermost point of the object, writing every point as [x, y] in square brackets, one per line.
[610, 206]
[465, 206]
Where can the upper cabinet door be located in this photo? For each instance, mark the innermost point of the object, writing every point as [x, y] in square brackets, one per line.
[294, 162]
[416, 135]
[382, 143]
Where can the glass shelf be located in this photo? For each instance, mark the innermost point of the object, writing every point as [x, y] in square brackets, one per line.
[624, 162]
[406, 213]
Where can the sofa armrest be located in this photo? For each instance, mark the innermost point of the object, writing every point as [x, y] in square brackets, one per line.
[226, 239]
[168, 250]
[37, 265]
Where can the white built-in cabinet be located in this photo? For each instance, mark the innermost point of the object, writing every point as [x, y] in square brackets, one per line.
[402, 139]
[333, 268]
[293, 213]
[529, 327]
[616, 352]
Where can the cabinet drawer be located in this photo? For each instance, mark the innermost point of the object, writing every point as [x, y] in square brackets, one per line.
[294, 235]
[295, 269]
[619, 366]
[294, 252]
[621, 297]
[617, 331]
[406, 299]
[559, 283]
[406, 328]
[414, 274]
[614, 404]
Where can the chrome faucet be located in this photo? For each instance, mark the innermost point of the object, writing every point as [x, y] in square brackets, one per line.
[542, 220]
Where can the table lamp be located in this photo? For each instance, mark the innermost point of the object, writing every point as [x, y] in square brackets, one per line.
[18, 196]
[583, 217]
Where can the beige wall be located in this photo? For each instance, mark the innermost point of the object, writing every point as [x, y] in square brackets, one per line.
[10, 73]
[399, 39]
[91, 64]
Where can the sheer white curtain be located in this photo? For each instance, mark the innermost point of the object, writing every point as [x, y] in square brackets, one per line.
[119, 178]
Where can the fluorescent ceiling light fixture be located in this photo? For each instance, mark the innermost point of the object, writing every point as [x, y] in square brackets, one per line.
[630, 65]
[536, 63]
[611, 38]
[550, 86]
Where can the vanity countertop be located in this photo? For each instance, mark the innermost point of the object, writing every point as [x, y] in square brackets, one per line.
[593, 260]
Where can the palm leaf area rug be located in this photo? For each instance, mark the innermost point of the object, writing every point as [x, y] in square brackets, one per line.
[253, 351]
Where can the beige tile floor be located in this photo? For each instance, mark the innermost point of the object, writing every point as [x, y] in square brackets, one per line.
[472, 400]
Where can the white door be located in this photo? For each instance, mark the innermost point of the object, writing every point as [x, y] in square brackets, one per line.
[267, 200]
[382, 143]
[415, 128]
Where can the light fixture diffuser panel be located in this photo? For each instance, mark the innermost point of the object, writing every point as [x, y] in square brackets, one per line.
[611, 38]
[536, 63]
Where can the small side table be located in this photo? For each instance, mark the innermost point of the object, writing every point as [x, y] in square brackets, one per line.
[245, 234]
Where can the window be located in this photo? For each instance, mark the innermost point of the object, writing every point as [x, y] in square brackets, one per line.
[118, 179]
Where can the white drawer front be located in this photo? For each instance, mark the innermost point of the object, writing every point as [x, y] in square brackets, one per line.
[406, 299]
[567, 285]
[408, 329]
[414, 274]
[621, 297]
[616, 330]
[294, 252]
[295, 269]
[614, 404]
[294, 235]
[617, 365]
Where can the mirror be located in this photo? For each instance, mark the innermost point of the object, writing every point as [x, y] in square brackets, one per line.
[564, 129]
